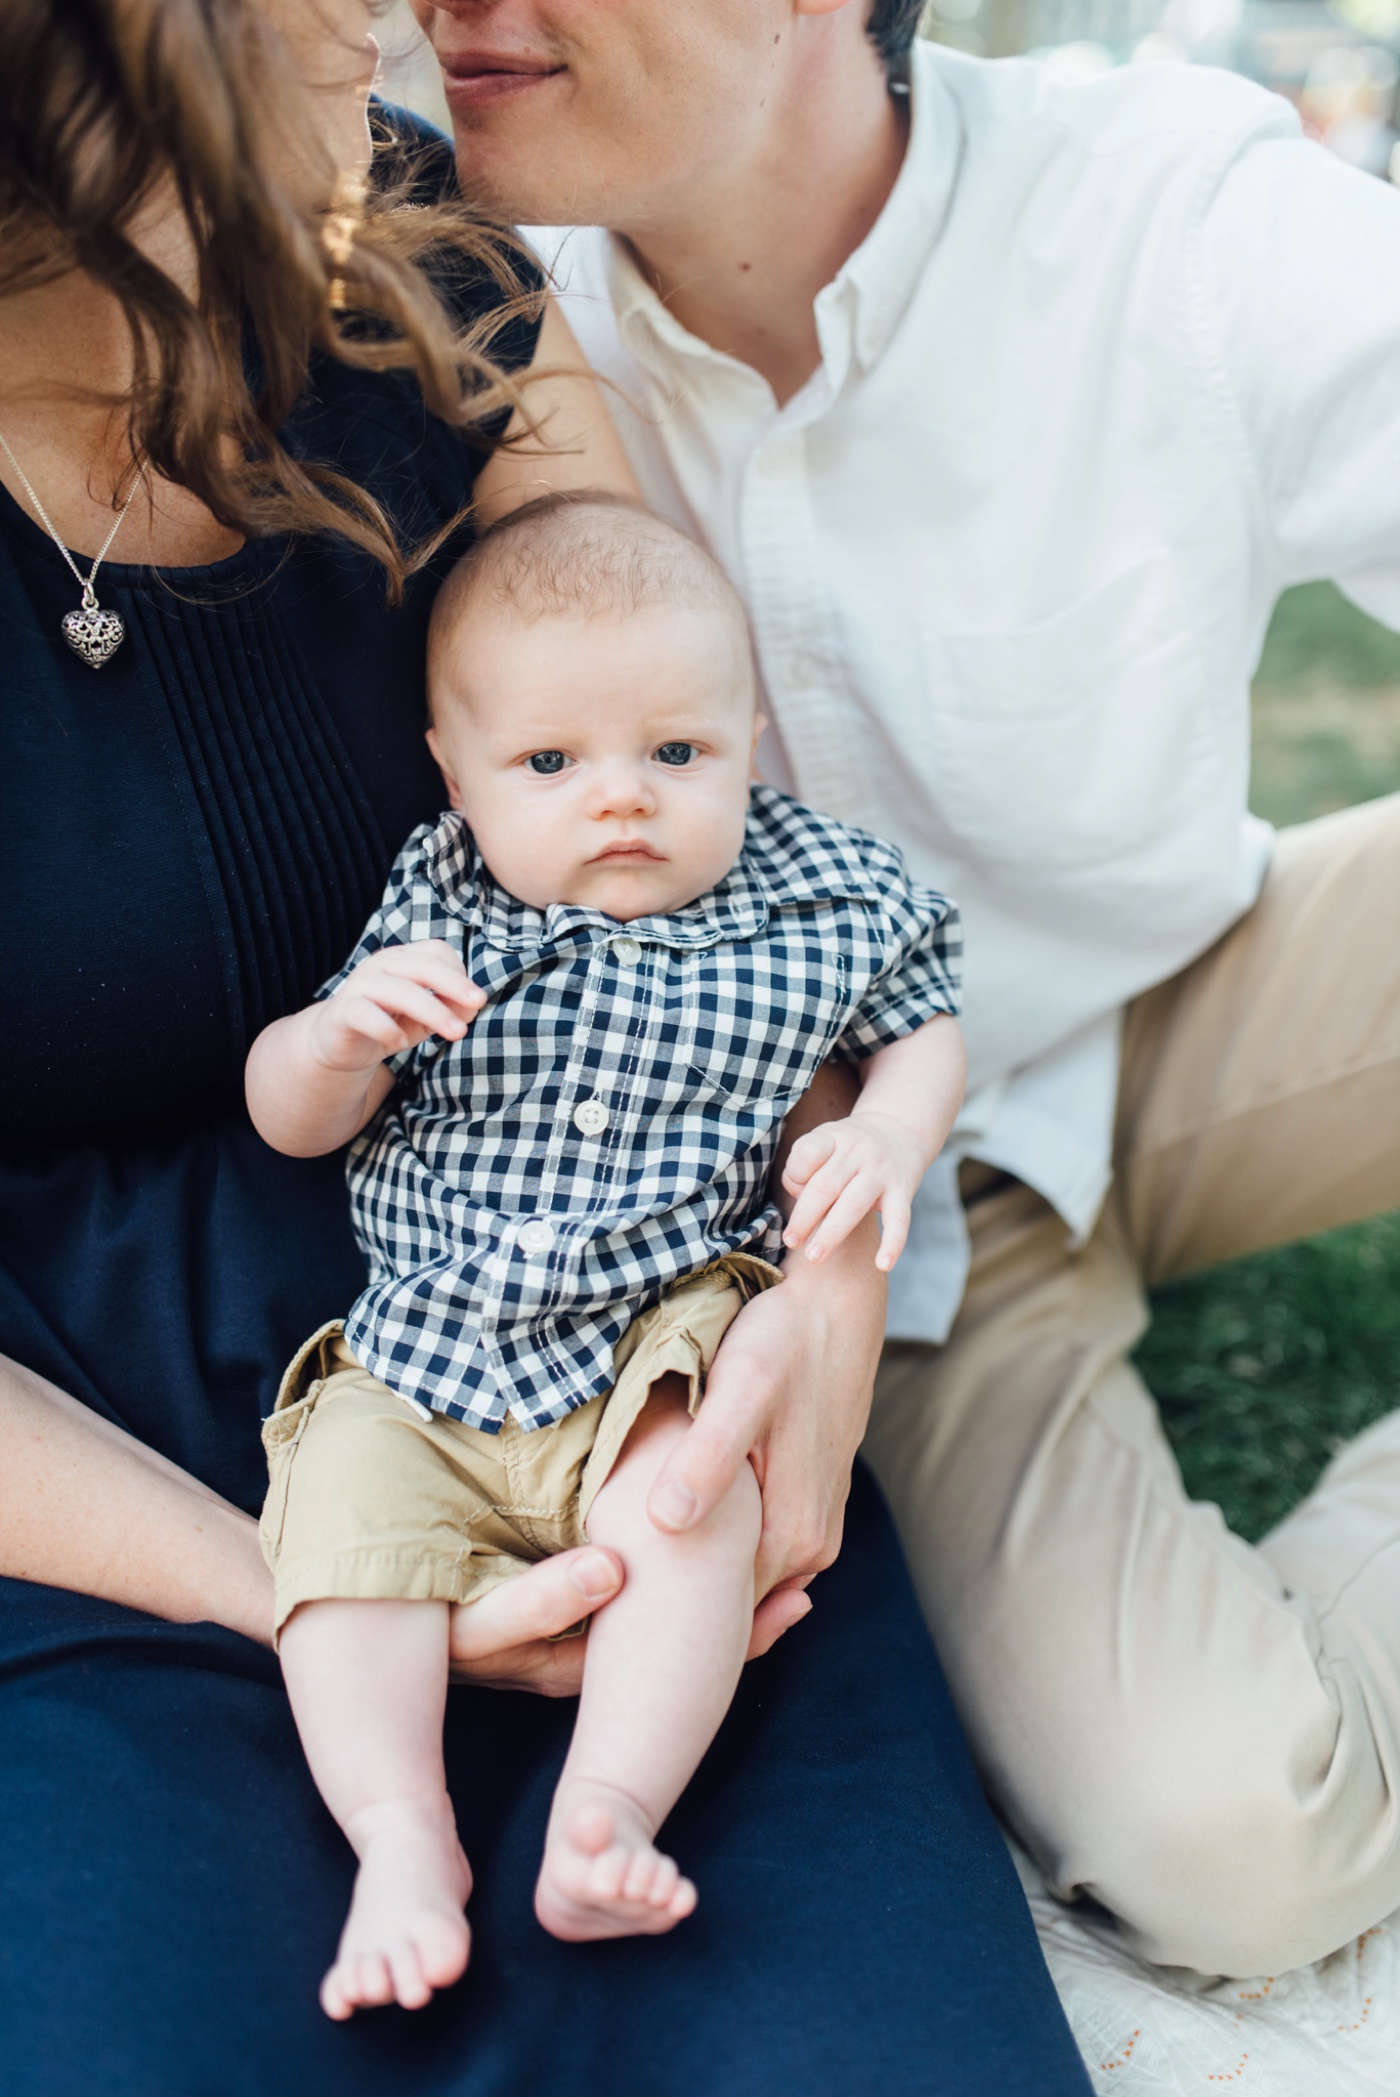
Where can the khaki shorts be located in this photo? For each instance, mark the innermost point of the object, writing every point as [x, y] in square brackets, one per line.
[368, 1501]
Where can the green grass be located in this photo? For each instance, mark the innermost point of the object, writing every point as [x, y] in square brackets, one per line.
[1263, 1368]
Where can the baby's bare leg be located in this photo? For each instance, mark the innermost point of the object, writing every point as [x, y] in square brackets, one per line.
[663, 1662]
[368, 1685]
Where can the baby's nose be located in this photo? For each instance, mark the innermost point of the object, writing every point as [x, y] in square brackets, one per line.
[622, 790]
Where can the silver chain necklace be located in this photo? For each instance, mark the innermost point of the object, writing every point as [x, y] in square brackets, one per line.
[90, 632]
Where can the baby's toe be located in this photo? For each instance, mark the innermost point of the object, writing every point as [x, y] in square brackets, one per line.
[335, 1998]
[373, 1983]
[411, 1986]
[442, 1951]
[592, 1830]
[640, 1875]
[608, 1873]
[664, 1881]
[682, 1902]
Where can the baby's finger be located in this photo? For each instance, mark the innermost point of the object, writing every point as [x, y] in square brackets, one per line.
[817, 1199]
[357, 1019]
[432, 963]
[894, 1227]
[855, 1202]
[809, 1152]
[409, 1001]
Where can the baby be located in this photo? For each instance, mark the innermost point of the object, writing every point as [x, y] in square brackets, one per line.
[564, 1048]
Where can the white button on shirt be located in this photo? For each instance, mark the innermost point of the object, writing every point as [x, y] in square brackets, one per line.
[535, 1237]
[1119, 362]
[590, 1117]
[627, 950]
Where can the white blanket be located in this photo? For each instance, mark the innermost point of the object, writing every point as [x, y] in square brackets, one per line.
[1330, 2030]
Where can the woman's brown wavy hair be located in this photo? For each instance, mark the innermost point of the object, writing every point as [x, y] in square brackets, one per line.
[104, 104]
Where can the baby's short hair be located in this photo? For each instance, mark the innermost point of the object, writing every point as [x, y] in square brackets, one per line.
[587, 553]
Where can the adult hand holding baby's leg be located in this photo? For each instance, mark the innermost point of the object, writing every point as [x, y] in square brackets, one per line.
[511, 1638]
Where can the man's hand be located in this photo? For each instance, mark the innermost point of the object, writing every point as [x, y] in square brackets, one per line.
[789, 1393]
[845, 1171]
[392, 1001]
[510, 1638]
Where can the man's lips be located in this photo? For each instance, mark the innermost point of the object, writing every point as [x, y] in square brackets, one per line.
[470, 78]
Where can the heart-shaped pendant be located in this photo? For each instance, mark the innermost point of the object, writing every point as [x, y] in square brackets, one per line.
[93, 634]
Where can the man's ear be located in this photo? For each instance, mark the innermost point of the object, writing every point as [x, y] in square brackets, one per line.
[454, 792]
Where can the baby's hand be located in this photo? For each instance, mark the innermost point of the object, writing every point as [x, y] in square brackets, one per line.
[843, 1170]
[392, 1001]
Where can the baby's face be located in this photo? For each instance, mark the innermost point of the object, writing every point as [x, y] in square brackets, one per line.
[602, 761]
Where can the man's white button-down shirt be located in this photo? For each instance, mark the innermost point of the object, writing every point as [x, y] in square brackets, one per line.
[1118, 363]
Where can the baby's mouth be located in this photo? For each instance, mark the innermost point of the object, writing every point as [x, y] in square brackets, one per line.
[627, 849]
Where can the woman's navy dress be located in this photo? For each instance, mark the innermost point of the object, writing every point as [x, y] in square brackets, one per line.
[191, 839]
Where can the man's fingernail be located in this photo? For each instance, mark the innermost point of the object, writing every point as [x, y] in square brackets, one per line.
[594, 1576]
[675, 1505]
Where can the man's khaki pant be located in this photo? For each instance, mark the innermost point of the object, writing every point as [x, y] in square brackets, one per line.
[1203, 1735]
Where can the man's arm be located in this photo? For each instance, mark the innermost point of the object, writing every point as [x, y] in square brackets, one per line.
[1300, 268]
[574, 444]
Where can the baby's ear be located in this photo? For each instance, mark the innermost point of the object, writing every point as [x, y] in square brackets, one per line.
[454, 792]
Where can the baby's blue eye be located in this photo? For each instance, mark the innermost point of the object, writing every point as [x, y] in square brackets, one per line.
[547, 761]
[675, 753]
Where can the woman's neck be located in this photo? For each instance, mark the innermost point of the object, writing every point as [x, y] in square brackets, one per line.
[65, 375]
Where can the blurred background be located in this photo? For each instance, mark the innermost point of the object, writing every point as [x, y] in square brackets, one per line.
[1266, 1366]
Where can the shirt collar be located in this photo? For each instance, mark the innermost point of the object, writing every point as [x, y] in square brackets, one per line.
[858, 311]
[736, 909]
[781, 865]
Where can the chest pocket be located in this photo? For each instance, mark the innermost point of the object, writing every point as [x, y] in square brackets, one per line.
[768, 1016]
[1073, 743]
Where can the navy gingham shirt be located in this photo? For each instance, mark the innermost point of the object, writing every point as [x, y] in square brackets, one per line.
[608, 1123]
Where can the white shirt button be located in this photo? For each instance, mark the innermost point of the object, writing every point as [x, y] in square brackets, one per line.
[591, 1117]
[537, 1236]
[627, 950]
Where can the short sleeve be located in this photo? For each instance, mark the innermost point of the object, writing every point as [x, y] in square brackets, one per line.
[408, 910]
[921, 969]
[1301, 275]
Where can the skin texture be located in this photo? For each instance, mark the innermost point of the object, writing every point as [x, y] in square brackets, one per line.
[744, 148]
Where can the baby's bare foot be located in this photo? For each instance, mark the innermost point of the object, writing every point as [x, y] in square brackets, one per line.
[602, 1875]
[405, 1934]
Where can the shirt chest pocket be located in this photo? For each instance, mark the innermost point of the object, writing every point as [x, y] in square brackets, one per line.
[1072, 743]
[768, 1019]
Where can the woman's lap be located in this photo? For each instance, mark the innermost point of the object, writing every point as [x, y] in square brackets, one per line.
[171, 1888]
